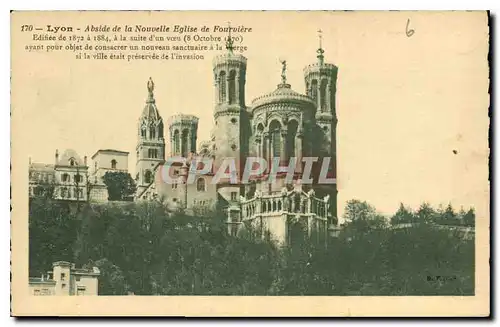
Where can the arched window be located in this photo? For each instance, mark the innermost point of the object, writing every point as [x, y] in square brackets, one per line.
[222, 87]
[153, 153]
[148, 177]
[275, 133]
[322, 95]
[200, 185]
[184, 144]
[143, 131]
[177, 143]
[152, 132]
[72, 161]
[232, 87]
[160, 130]
[65, 177]
[290, 142]
[314, 89]
[113, 164]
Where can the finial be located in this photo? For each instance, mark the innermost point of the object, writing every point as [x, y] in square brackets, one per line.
[283, 71]
[229, 41]
[320, 50]
[151, 85]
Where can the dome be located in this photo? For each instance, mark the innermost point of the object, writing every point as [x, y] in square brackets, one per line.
[68, 157]
[283, 94]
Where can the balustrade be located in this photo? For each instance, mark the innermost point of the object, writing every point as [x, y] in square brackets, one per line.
[287, 203]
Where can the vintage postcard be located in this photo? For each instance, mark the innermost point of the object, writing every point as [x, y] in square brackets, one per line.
[196, 163]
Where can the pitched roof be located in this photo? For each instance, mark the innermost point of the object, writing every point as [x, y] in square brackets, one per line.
[64, 159]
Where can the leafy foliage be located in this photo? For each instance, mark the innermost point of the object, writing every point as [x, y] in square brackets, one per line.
[120, 185]
[143, 248]
[52, 231]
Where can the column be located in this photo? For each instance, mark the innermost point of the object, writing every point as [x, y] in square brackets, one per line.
[258, 141]
[267, 144]
[217, 92]
[237, 87]
[298, 152]
[283, 154]
[328, 96]
[318, 98]
[228, 74]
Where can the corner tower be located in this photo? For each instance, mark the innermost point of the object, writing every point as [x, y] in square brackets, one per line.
[231, 118]
[151, 143]
[321, 86]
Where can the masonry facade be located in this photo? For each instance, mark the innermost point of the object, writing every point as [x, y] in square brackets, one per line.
[276, 126]
[66, 279]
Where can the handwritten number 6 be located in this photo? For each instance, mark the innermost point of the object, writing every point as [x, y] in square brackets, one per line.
[409, 32]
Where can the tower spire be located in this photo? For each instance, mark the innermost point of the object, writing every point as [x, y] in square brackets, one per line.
[320, 50]
[229, 41]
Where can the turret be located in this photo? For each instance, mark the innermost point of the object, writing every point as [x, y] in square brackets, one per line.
[151, 143]
[183, 130]
[232, 127]
[321, 86]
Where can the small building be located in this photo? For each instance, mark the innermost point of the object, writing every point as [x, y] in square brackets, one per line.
[65, 279]
[105, 160]
[66, 179]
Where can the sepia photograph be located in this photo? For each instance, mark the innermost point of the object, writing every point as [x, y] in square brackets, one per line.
[335, 161]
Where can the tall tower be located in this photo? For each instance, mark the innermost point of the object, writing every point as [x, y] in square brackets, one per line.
[231, 118]
[321, 86]
[151, 143]
[183, 130]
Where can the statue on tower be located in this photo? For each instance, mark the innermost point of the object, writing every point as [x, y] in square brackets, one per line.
[151, 85]
[229, 41]
[283, 71]
[320, 50]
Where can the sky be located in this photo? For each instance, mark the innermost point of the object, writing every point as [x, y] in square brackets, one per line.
[412, 110]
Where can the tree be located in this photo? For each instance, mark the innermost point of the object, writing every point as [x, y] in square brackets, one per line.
[356, 210]
[403, 215]
[144, 249]
[469, 219]
[447, 216]
[52, 231]
[361, 217]
[120, 185]
[425, 213]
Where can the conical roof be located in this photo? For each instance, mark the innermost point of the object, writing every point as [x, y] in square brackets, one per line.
[150, 111]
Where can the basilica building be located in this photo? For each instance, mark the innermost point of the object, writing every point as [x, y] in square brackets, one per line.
[280, 124]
